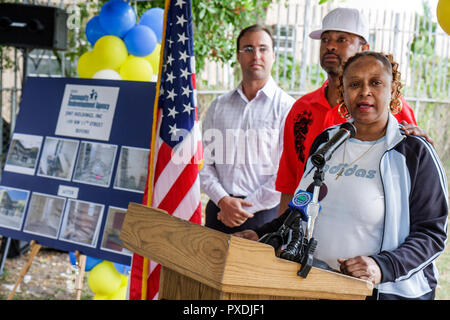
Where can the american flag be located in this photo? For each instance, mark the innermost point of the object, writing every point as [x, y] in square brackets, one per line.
[176, 144]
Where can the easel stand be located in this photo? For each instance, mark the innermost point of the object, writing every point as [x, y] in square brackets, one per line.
[35, 247]
[81, 265]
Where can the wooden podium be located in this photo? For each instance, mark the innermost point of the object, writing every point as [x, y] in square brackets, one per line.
[202, 263]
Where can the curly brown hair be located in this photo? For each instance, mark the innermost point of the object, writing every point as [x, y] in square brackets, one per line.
[392, 67]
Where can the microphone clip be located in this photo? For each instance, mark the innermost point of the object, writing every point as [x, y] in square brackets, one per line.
[301, 245]
[299, 249]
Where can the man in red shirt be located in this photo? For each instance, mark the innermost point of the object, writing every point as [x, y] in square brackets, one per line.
[344, 33]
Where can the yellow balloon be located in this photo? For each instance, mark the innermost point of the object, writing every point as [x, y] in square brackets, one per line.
[98, 296]
[104, 279]
[136, 69]
[153, 58]
[443, 15]
[87, 65]
[120, 294]
[124, 281]
[110, 52]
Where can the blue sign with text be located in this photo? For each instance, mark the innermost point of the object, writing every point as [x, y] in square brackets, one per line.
[78, 155]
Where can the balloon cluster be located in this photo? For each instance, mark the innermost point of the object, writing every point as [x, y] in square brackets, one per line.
[122, 48]
[108, 280]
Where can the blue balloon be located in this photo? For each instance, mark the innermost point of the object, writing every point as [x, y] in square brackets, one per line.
[122, 268]
[140, 41]
[90, 261]
[73, 258]
[154, 19]
[117, 17]
[94, 30]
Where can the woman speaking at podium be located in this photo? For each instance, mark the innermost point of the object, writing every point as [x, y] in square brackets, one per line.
[384, 216]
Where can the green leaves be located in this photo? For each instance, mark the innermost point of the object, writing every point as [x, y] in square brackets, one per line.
[217, 24]
[6, 61]
[423, 56]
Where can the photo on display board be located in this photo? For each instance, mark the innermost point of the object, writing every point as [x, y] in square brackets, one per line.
[23, 153]
[131, 174]
[111, 234]
[81, 222]
[58, 158]
[12, 207]
[95, 163]
[44, 215]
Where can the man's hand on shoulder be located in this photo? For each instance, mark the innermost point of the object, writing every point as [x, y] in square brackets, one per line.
[415, 131]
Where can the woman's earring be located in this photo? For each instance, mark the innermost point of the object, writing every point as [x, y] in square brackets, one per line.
[343, 111]
[396, 106]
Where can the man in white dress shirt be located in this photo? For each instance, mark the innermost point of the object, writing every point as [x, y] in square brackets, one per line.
[242, 140]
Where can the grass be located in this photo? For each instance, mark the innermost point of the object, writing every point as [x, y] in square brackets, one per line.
[443, 265]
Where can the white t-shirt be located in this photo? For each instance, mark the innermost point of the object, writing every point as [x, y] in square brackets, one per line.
[351, 220]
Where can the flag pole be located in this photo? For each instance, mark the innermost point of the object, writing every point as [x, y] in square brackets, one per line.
[152, 147]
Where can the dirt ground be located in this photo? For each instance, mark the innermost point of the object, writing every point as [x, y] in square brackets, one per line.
[50, 277]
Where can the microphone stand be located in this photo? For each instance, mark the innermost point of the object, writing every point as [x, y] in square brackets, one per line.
[312, 211]
[302, 245]
[313, 207]
[319, 159]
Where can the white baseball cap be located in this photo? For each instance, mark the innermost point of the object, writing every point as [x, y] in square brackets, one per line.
[346, 20]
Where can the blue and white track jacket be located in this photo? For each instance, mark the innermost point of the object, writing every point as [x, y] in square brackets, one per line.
[416, 211]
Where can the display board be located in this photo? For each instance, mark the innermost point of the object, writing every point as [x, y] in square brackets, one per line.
[78, 155]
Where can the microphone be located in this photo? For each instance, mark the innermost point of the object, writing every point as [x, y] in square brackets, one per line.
[321, 156]
[299, 249]
[297, 210]
[300, 210]
[300, 202]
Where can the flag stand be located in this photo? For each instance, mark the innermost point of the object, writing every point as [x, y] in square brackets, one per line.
[35, 247]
